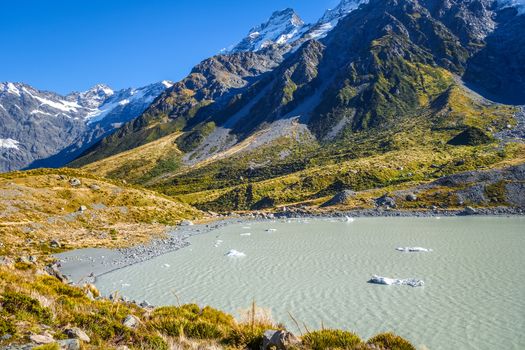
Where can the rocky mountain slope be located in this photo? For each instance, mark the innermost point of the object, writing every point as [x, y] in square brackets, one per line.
[44, 129]
[391, 78]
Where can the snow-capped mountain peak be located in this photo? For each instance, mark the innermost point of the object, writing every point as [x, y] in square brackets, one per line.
[286, 27]
[332, 17]
[283, 27]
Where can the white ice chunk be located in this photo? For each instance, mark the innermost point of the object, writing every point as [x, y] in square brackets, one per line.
[235, 254]
[413, 250]
[412, 282]
[246, 234]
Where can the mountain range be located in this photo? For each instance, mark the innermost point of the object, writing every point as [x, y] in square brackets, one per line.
[45, 129]
[378, 94]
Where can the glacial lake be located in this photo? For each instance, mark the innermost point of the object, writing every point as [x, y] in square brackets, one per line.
[317, 270]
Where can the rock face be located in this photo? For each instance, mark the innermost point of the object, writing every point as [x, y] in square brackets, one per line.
[44, 129]
[341, 198]
[41, 338]
[280, 340]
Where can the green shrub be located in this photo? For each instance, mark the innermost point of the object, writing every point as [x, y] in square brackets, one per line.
[24, 266]
[193, 322]
[103, 326]
[18, 304]
[245, 336]
[390, 341]
[331, 339]
[53, 346]
[6, 327]
[153, 342]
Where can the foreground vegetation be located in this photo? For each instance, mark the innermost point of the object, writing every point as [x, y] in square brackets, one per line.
[32, 303]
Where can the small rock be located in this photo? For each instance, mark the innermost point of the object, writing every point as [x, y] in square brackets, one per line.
[55, 244]
[186, 223]
[95, 187]
[33, 259]
[122, 347]
[82, 208]
[23, 259]
[77, 333]
[69, 344]
[5, 261]
[131, 322]
[411, 197]
[145, 304]
[41, 338]
[280, 340]
[75, 182]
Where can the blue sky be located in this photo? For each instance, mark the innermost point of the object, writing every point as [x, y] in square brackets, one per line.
[71, 45]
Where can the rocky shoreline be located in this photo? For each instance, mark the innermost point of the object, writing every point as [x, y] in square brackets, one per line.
[85, 265]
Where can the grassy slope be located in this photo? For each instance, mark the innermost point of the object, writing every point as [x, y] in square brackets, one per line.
[41, 205]
[292, 170]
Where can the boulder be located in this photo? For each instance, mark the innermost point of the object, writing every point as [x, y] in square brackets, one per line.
[470, 211]
[386, 201]
[77, 333]
[340, 198]
[75, 182]
[69, 344]
[279, 340]
[82, 208]
[131, 322]
[186, 223]
[95, 187]
[264, 203]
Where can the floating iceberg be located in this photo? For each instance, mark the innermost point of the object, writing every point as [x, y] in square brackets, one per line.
[271, 230]
[413, 250]
[412, 282]
[349, 219]
[235, 254]
[246, 234]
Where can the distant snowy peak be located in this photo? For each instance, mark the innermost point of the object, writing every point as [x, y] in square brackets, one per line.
[283, 27]
[133, 99]
[93, 97]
